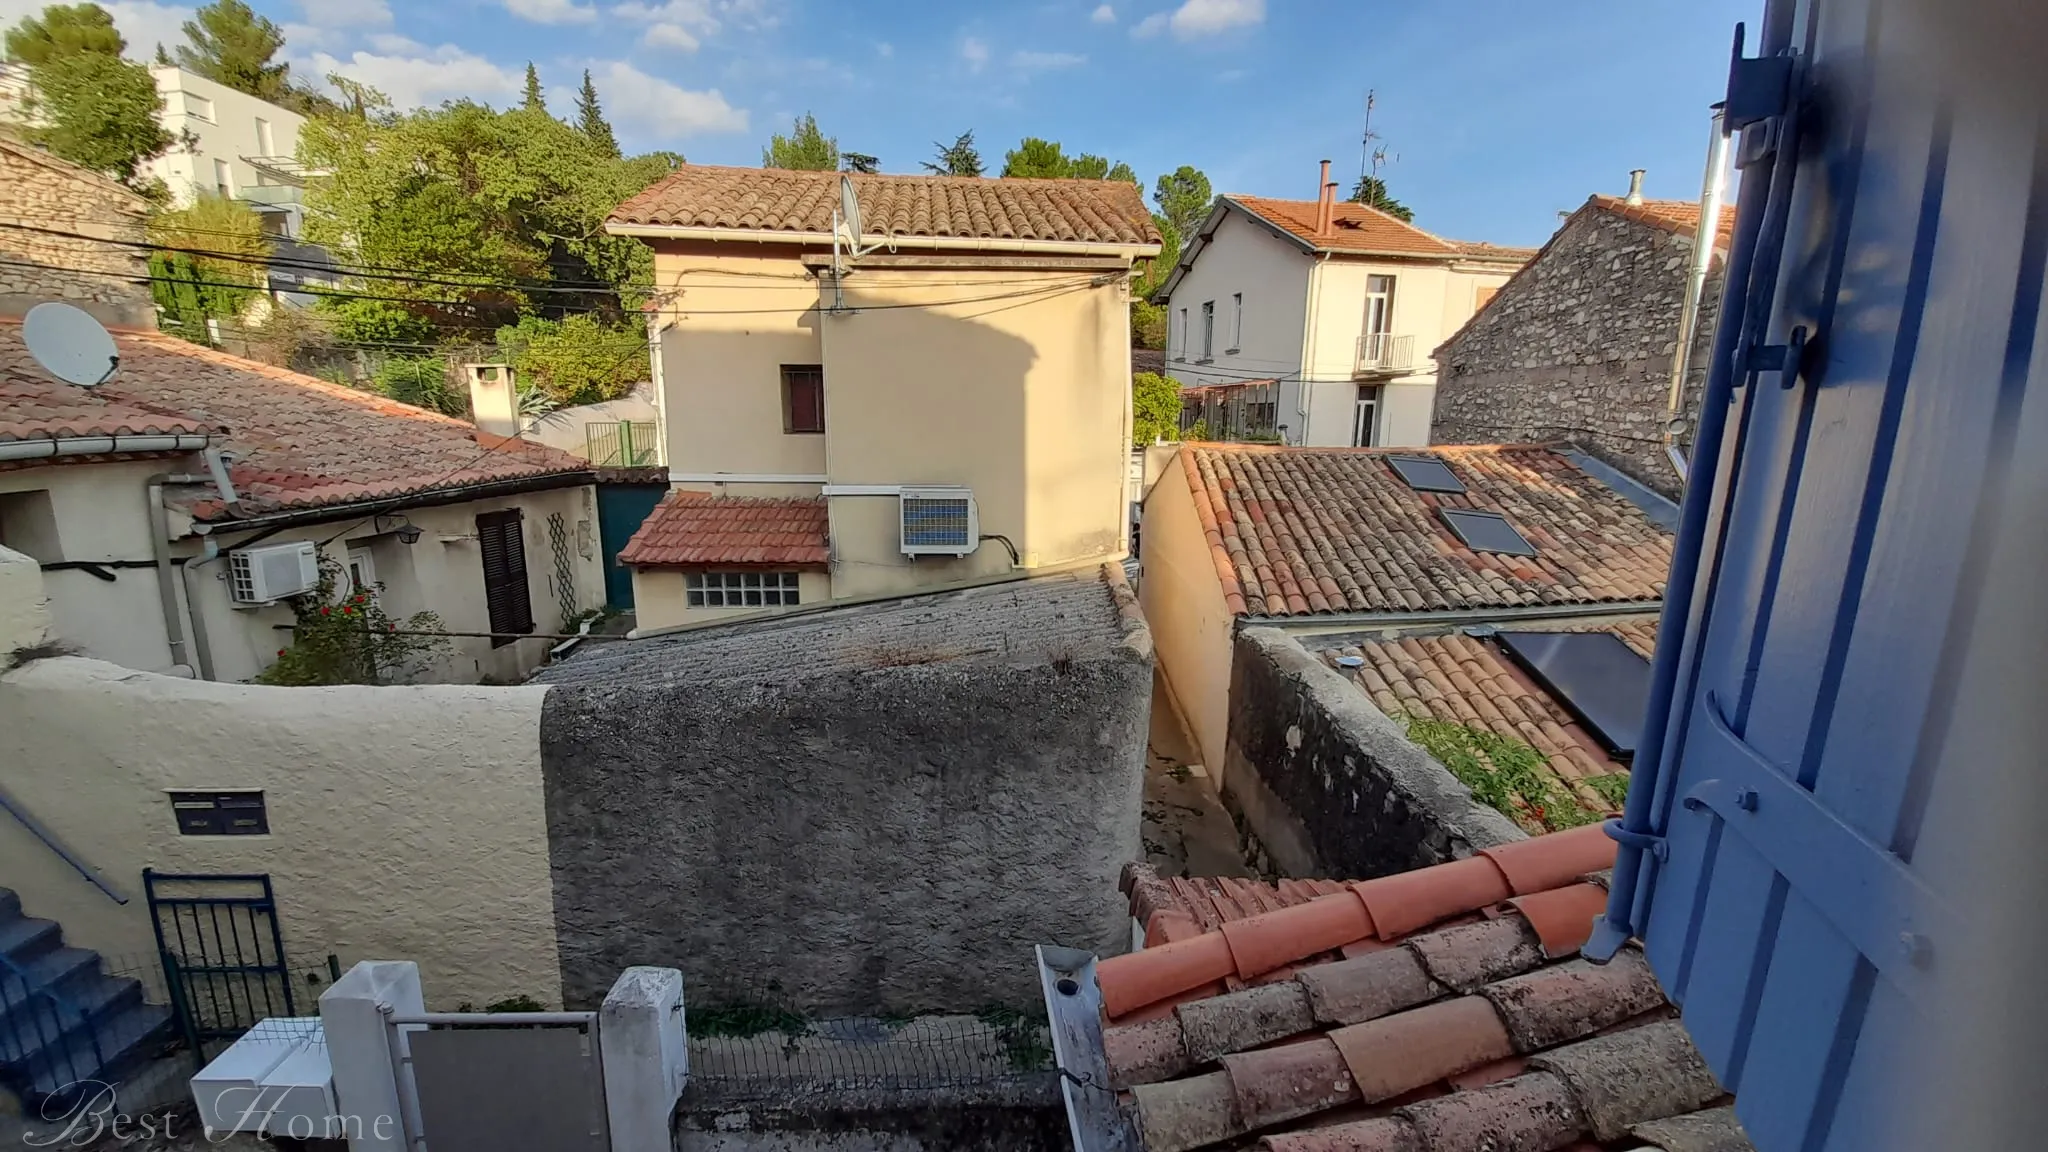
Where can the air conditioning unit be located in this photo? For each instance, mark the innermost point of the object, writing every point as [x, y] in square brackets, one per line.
[938, 521]
[272, 572]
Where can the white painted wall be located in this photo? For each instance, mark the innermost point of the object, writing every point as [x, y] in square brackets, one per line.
[404, 821]
[224, 125]
[1241, 256]
[101, 515]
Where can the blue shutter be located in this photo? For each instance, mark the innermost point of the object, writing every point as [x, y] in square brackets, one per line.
[1862, 418]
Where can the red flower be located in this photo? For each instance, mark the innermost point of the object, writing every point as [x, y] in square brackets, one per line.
[324, 609]
[280, 651]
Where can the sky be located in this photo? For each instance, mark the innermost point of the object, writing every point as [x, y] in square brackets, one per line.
[1496, 115]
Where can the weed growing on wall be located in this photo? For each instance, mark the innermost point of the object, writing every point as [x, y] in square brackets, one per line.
[350, 639]
[1509, 776]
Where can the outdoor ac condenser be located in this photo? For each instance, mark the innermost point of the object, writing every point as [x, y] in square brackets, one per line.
[272, 572]
[938, 521]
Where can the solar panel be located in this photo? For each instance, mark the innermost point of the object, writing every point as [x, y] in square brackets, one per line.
[1486, 532]
[1425, 473]
[1596, 676]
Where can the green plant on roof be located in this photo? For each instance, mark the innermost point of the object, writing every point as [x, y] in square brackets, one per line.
[1506, 774]
[1026, 1041]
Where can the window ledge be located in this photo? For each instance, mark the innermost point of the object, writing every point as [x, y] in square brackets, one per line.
[1230, 351]
[1180, 359]
[1206, 360]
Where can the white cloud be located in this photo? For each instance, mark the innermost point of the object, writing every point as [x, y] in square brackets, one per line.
[670, 36]
[396, 45]
[633, 98]
[975, 52]
[551, 11]
[416, 79]
[696, 15]
[1045, 61]
[347, 14]
[1103, 15]
[1198, 18]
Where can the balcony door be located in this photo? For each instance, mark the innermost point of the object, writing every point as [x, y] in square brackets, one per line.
[1365, 416]
[1379, 317]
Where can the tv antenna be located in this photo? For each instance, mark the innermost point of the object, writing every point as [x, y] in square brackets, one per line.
[1373, 156]
[70, 344]
[845, 231]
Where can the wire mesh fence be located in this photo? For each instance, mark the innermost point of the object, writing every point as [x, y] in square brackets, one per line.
[758, 1045]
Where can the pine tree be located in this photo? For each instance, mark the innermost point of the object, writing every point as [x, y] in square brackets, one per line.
[232, 45]
[805, 149]
[534, 101]
[590, 118]
[960, 158]
[1371, 191]
[64, 30]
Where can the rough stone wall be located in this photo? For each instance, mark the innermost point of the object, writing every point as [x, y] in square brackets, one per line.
[104, 273]
[1022, 1114]
[1329, 785]
[888, 840]
[1578, 347]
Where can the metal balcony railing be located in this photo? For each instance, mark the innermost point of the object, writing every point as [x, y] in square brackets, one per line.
[1384, 353]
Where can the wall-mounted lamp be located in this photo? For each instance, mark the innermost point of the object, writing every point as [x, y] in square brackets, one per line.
[406, 531]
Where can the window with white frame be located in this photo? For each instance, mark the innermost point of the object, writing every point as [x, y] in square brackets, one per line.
[198, 107]
[224, 179]
[1236, 322]
[1208, 329]
[741, 589]
[1181, 345]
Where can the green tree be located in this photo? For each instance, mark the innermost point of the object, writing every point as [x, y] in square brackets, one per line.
[97, 111]
[590, 119]
[534, 101]
[64, 30]
[577, 360]
[232, 45]
[1148, 320]
[806, 148]
[1155, 408]
[193, 285]
[1183, 197]
[364, 320]
[1371, 191]
[860, 162]
[342, 635]
[1035, 158]
[960, 158]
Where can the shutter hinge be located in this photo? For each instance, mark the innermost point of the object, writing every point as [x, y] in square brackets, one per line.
[1760, 97]
[1642, 841]
[1788, 360]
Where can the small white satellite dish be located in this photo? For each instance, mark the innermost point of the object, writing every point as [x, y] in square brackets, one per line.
[69, 343]
[849, 212]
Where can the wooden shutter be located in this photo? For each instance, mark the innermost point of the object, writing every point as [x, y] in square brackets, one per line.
[504, 549]
[803, 398]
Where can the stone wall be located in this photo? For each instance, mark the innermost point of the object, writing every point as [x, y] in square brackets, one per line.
[104, 273]
[1330, 786]
[1578, 347]
[863, 811]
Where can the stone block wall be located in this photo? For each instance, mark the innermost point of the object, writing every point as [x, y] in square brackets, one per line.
[1578, 347]
[103, 270]
[1328, 785]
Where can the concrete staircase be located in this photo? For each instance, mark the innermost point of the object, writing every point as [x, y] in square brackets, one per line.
[63, 1020]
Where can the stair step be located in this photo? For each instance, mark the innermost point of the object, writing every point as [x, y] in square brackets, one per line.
[23, 939]
[41, 1024]
[54, 970]
[124, 1039]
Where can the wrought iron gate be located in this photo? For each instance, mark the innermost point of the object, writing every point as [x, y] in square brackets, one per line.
[222, 952]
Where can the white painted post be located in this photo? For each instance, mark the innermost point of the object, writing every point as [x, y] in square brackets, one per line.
[644, 1042]
[24, 613]
[365, 1079]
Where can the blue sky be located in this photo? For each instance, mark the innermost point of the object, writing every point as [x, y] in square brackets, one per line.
[1497, 114]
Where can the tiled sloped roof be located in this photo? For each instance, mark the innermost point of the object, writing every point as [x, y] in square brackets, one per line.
[1680, 216]
[1440, 1010]
[1468, 680]
[40, 408]
[781, 200]
[1355, 227]
[1295, 531]
[299, 442]
[1480, 250]
[691, 529]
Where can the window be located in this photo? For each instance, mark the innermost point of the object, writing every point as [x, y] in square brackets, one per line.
[1486, 532]
[1425, 473]
[266, 144]
[1182, 330]
[223, 178]
[1379, 305]
[362, 569]
[504, 547]
[1208, 329]
[220, 813]
[741, 589]
[199, 107]
[1236, 322]
[803, 398]
[1365, 416]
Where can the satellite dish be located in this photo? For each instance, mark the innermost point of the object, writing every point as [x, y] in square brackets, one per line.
[849, 212]
[70, 344]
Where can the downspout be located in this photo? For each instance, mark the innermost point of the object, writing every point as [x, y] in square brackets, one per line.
[166, 582]
[1712, 187]
[1305, 379]
[202, 647]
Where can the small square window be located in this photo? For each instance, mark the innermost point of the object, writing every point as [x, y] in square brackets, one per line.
[803, 398]
[220, 813]
[1486, 532]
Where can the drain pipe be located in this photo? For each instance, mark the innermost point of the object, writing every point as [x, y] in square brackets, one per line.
[166, 581]
[1712, 188]
[202, 647]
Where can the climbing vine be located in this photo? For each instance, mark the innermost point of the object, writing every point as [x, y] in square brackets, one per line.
[350, 639]
[1510, 776]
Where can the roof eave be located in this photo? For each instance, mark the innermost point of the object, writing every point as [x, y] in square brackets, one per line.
[428, 498]
[937, 243]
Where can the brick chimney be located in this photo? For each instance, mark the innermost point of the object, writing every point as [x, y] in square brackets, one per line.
[1325, 201]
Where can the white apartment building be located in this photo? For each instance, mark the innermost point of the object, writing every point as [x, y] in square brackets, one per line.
[1324, 314]
[238, 146]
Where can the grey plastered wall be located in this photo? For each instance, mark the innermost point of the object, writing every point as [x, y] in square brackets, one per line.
[858, 838]
[1329, 784]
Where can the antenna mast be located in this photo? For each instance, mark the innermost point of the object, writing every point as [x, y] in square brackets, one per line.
[1371, 156]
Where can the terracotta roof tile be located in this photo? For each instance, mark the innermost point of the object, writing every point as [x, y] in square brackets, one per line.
[297, 441]
[1679, 216]
[42, 409]
[1454, 1040]
[1354, 228]
[1283, 524]
[690, 529]
[801, 203]
[1467, 679]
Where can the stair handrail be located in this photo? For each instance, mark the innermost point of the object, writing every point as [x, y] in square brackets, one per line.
[50, 1047]
[50, 841]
